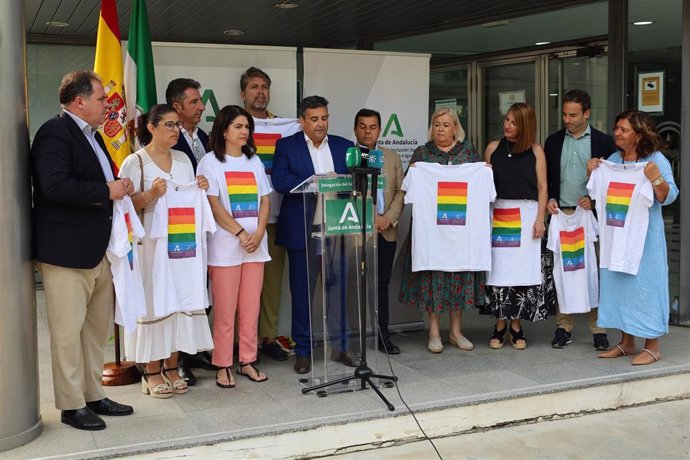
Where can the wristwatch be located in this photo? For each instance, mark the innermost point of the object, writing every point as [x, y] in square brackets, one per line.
[658, 181]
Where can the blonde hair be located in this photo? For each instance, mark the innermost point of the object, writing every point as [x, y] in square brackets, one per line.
[459, 133]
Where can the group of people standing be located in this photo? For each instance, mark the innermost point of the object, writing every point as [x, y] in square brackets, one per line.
[237, 232]
[532, 184]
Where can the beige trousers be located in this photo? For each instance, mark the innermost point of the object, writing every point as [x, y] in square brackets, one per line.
[79, 305]
[273, 281]
[567, 321]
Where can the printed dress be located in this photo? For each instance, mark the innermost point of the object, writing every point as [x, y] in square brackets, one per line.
[437, 291]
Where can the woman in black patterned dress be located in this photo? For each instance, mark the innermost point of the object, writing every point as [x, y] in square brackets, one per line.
[516, 287]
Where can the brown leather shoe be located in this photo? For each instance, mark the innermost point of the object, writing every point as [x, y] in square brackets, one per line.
[303, 364]
[348, 358]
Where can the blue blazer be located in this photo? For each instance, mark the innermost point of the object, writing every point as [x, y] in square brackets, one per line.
[291, 166]
[72, 212]
[602, 146]
[183, 146]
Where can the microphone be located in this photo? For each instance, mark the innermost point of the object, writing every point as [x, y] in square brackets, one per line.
[375, 159]
[353, 157]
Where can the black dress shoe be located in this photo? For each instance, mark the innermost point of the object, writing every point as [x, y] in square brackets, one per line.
[82, 419]
[107, 406]
[348, 358]
[186, 373]
[201, 360]
[303, 364]
[386, 346]
[273, 351]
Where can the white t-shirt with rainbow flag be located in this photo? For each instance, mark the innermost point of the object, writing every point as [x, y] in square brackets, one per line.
[450, 216]
[130, 301]
[515, 255]
[267, 131]
[571, 238]
[181, 220]
[240, 182]
[623, 197]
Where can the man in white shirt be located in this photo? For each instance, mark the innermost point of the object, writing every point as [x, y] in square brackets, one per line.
[298, 157]
[183, 95]
[73, 192]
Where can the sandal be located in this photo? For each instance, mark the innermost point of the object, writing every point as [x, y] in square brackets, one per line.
[645, 357]
[159, 391]
[615, 352]
[497, 338]
[518, 335]
[243, 365]
[228, 374]
[179, 386]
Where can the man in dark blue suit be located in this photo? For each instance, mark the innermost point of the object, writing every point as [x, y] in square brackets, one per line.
[567, 152]
[183, 95]
[298, 157]
[74, 187]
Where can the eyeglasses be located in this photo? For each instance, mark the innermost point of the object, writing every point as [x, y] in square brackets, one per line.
[171, 125]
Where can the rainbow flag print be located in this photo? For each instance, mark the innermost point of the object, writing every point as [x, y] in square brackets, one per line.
[451, 203]
[266, 147]
[181, 233]
[618, 198]
[243, 194]
[506, 228]
[573, 249]
[130, 239]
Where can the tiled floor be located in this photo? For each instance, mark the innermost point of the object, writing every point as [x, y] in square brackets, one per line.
[207, 413]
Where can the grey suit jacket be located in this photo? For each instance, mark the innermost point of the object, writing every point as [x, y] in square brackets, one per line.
[392, 168]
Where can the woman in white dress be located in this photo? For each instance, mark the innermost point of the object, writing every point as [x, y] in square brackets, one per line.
[158, 339]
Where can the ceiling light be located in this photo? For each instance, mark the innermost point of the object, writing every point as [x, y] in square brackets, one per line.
[233, 32]
[542, 43]
[642, 23]
[285, 5]
[488, 25]
[56, 24]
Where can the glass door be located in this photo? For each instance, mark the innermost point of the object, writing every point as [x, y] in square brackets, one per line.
[502, 84]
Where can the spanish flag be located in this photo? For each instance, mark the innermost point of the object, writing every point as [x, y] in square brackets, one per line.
[108, 65]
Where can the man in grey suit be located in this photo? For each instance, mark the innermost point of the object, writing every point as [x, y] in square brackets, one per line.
[367, 132]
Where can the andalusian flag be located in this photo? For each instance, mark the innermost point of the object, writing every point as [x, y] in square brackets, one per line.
[140, 82]
[108, 65]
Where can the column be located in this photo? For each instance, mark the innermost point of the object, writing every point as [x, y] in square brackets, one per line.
[20, 421]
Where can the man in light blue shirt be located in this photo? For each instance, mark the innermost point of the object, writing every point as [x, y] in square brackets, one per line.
[567, 152]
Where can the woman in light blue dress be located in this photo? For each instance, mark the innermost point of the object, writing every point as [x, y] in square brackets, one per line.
[638, 305]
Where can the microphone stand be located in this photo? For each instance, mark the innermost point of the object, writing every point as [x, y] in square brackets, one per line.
[363, 372]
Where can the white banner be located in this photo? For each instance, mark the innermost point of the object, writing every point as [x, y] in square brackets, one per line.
[218, 68]
[395, 84]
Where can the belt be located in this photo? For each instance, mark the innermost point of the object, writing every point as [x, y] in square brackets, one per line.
[568, 208]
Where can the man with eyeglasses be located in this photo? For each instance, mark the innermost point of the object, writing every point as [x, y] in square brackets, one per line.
[183, 95]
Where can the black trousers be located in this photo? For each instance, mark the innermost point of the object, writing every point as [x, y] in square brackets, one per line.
[386, 253]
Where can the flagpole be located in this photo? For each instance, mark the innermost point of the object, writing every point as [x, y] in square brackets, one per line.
[108, 65]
